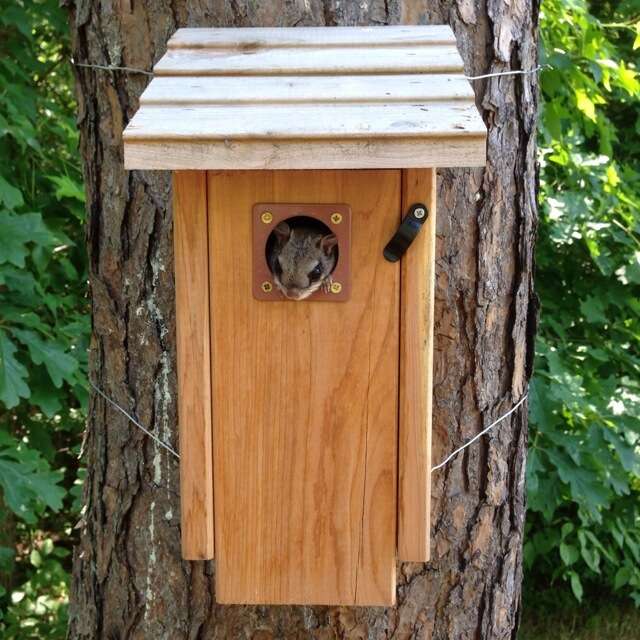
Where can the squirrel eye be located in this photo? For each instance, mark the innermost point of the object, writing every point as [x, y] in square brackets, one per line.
[315, 273]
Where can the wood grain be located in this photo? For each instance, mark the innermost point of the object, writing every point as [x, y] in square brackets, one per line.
[416, 372]
[330, 89]
[305, 426]
[194, 367]
[255, 37]
[310, 60]
[313, 154]
[306, 122]
[307, 98]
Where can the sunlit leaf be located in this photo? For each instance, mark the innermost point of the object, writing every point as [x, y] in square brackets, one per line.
[585, 104]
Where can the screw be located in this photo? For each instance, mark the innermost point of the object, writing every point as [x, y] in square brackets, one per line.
[267, 287]
[419, 212]
[336, 218]
[336, 287]
[267, 217]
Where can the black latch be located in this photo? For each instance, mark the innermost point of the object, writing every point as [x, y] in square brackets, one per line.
[406, 233]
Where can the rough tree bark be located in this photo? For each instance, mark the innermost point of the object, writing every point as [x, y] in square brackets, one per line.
[128, 578]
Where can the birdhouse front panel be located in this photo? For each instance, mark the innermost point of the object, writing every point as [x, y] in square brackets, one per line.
[305, 398]
[305, 347]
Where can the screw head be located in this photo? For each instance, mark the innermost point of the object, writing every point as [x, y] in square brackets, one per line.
[336, 287]
[419, 212]
[267, 217]
[267, 287]
[336, 218]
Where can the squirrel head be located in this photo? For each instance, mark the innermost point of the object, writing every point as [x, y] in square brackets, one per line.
[302, 258]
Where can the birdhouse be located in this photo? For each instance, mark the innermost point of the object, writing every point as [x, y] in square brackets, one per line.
[305, 418]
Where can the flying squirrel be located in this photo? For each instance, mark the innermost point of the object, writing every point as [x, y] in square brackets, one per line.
[302, 259]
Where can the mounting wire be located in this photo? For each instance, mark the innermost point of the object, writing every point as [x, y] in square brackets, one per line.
[177, 455]
[517, 72]
[479, 435]
[135, 422]
[109, 67]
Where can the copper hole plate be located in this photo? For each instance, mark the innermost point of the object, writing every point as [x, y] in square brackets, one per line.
[321, 212]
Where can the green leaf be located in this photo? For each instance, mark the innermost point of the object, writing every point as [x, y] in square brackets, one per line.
[60, 366]
[591, 558]
[593, 310]
[622, 577]
[67, 188]
[27, 483]
[569, 554]
[628, 454]
[17, 231]
[9, 195]
[35, 558]
[19, 281]
[576, 585]
[628, 79]
[12, 374]
[585, 104]
[46, 398]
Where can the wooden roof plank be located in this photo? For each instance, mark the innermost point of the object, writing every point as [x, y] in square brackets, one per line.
[314, 61]
[258, 37]
[308, 154]
[317, 97]
[305, 122]
[303, 89]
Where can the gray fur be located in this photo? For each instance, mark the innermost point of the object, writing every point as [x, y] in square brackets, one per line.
[297, 251]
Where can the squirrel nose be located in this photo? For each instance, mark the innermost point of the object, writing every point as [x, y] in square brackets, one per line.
[294, 293]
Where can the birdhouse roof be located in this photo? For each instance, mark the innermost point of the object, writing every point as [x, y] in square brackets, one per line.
[307, 98]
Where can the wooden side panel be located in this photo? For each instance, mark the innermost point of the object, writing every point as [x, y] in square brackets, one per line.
[306, 401]
[416, 372]
[194, 367]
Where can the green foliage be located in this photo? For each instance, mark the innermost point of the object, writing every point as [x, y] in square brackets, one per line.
[39, 605]
[44, 318]
[554, 618]
[584, 462]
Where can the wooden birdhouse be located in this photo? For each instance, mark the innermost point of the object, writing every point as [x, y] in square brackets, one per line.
[305, 424]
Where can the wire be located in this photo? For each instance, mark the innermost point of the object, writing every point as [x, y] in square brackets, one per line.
[135, 422]
[177, 455]
[493, 424]
[517, 72]
[109, 67]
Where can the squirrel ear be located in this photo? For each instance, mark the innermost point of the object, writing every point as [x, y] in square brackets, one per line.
[282, 232]
[328, 243]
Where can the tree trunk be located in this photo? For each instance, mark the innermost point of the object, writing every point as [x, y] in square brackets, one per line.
[128, 578]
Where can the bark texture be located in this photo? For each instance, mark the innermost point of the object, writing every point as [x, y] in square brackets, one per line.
[128, 579]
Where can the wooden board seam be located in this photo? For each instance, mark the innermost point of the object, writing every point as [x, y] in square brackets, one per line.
[211, 369]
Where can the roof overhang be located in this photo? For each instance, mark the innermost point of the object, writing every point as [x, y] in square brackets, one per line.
[307, 98]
